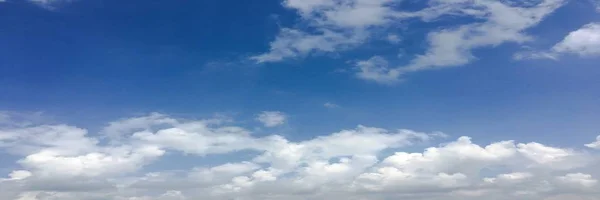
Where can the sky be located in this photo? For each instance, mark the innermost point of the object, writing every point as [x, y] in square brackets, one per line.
[299, 99]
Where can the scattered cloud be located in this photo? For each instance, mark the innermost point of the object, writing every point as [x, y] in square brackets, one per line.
[338, 25]
[22, 119]
[272, 118]
[331, 105]
[117, 129]
[67, 162]
[48, 4]
[346, 24]
[594, 145]
[394, 38]
[377, 69]
[596, 3]
[534, 55]
[584, 42]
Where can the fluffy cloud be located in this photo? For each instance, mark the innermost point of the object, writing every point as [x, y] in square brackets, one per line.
[583, 42]
[341, 25]
[67, 162]
[271, 118]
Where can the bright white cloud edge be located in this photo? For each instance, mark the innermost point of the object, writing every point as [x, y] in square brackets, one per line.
[594, 145]
[67, 162]
[583, 42]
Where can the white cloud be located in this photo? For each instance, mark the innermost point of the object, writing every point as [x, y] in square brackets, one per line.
[594, 145]
[349, 164]
[510, 178]
[21, 119]
[583, 42]
[596, 3]
[117, 129]
[338, 25]
[17, 175]
[272, 118]
[291, 43]
[331, 105]
[50, 4]
[377, 69]
[578, 180]
[345, 24]
[393, 38]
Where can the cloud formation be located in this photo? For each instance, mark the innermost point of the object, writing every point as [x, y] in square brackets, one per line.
[594, 145]
[341, 25]
[67, 162]
[331, 105]
[583, 42]
[271, 118]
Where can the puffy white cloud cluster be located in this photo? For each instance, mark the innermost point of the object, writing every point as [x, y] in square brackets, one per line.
[344, 24]
[65, 162]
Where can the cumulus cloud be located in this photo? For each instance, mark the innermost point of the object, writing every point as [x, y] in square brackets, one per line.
[583, 42]
[341, 25]
[578, 180]
[271, 118]
[68, 163]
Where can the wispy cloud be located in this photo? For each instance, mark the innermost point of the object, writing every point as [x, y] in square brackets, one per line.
[331, 105]
[346, 24]
[271, 118]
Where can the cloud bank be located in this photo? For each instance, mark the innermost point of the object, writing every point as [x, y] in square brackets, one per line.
[60, 161]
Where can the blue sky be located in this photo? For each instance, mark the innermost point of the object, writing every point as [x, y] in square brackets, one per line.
[491, 70]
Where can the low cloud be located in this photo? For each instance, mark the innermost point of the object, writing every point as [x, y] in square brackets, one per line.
[68, 162]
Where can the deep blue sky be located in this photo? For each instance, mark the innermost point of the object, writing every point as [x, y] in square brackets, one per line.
[92, 61]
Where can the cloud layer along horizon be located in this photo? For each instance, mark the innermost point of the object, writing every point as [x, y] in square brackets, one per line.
[61, 161]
